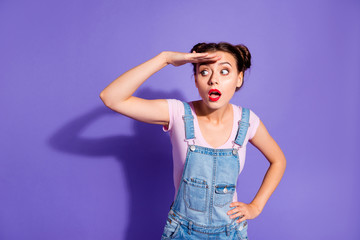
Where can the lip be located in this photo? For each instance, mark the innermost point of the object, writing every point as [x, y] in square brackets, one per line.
[214, 99]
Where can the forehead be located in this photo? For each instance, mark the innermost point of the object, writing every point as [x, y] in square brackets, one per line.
[225, 58]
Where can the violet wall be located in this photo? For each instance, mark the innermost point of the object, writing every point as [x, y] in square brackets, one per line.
[72, 169]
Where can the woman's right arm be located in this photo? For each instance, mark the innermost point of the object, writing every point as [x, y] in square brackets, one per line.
[118, 94]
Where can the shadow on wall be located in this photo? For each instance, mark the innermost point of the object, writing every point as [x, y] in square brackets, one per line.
[147, 161]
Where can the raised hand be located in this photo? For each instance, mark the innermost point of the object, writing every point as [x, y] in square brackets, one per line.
[179, 58]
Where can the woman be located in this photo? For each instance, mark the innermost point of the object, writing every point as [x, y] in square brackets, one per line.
[208, 143]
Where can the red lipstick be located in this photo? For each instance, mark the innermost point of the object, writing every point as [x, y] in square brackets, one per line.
[214, 95]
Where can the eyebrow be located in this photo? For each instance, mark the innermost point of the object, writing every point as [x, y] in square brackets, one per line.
[222, 63]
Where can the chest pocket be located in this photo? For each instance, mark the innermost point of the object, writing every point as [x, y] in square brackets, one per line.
[196, 194]
[224, 194]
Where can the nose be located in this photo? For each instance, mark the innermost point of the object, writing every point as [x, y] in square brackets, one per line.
[214, 79]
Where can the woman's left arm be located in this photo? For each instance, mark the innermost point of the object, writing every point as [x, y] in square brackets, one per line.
[271, 150]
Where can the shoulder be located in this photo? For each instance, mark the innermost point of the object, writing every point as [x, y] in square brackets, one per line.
[253, 116]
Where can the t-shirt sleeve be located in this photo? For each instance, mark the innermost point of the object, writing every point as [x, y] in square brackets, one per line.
[174, 110]
[254, 124]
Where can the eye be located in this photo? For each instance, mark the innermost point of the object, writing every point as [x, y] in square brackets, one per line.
[204, 72]
[224, 71]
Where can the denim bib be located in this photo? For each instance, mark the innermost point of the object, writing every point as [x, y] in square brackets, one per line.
[207, 188]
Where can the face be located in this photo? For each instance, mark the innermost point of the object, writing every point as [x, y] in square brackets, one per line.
[217, 81]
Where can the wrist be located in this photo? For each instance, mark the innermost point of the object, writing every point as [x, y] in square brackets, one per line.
[164, 56]
[257, 207]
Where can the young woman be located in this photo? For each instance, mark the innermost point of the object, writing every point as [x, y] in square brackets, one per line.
[209, 138]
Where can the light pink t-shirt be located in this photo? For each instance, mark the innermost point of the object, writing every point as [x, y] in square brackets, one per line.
[176, 129]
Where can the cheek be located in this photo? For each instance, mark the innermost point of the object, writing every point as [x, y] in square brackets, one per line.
[231, 86]
[201, 82]
[231, 81]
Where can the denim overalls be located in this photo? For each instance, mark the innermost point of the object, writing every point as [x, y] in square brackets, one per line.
[206, 189]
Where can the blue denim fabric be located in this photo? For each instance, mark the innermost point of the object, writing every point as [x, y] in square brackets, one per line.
[243, 126]
[189, 123]
[179, 227]
[206, 190]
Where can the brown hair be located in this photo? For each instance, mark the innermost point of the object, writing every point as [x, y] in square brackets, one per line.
[240, 52]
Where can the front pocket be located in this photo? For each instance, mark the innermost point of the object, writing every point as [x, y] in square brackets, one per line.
[241, 230]
[224, 194]
[170, 230]
[196, 194]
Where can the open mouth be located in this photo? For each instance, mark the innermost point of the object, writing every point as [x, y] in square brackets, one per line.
[214, 95]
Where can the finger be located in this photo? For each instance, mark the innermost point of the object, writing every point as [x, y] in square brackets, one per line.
[206, 55]
[195, 54]
[231, 211]
[199, 57]
[236, 204]
[241, 219]
[213, 54]
[239, 214]
[214, 58]
[235, 210]
[206, 59]
[210, 58]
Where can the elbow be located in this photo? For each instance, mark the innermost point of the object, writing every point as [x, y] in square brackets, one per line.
[112, 103]
[104, 99]
[283, 163]
[282, 159]
[280, 163]
[102, 95]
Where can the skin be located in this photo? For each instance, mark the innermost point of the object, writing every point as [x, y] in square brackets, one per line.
[215, 118]
[214, 70]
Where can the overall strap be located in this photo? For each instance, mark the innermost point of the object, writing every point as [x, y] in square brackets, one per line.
[188, 122]
[243, 127]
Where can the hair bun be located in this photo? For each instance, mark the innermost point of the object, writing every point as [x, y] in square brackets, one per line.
[246, 56]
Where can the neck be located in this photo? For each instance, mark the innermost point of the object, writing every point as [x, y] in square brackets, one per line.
[212, 115]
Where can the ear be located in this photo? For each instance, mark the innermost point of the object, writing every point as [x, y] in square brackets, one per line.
[240, 79]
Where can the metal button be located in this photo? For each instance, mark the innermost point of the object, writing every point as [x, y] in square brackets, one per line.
[225, 190]
[192, 148]
[234, 151]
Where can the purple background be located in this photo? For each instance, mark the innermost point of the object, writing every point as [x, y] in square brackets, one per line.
[72, 169]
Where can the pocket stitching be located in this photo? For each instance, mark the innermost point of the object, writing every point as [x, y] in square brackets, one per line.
[198, 185]
[217, 201]
[169, 226]
[242, 234]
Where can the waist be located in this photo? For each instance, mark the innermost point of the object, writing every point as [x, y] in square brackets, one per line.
[193, 226]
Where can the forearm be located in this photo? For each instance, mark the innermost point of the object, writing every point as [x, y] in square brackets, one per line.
[270, 182]
[126, 84]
